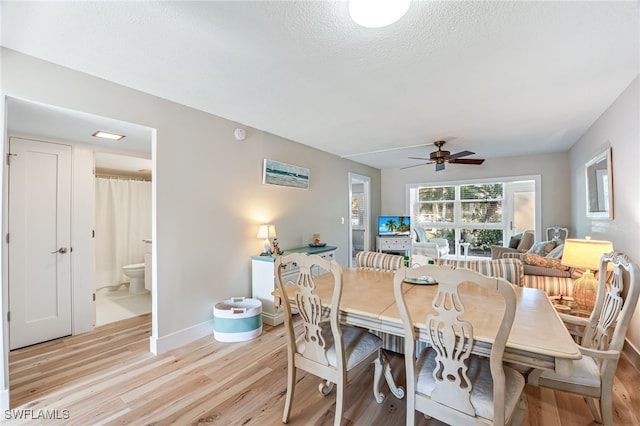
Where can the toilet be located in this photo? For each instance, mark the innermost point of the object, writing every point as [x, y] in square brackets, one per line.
[135, 272]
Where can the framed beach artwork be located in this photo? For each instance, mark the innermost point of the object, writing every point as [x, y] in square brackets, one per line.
[282, 174]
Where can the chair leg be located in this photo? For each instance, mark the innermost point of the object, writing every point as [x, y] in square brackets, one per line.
[518, 416]
[291, 382]
[379, 364]
[606, 409]
[339, 404]
[325, 387]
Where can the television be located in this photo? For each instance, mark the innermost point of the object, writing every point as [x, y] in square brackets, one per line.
[394, 225]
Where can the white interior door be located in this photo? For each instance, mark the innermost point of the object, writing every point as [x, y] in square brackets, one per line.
[39, 241]
[520, 207]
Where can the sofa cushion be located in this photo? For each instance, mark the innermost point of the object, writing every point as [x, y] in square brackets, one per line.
[545, 262]
[509, 269]
[527, 241]
[556, 253]
[542, 248]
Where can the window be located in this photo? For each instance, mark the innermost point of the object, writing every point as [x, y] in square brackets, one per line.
[479, 213]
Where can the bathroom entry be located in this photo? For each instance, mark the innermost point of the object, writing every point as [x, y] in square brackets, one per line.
[123, 232]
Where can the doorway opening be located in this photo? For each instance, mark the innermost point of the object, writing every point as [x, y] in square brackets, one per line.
[122, 237]
[359, 215]
[59, 126]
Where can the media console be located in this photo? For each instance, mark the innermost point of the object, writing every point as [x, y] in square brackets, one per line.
[394, 243]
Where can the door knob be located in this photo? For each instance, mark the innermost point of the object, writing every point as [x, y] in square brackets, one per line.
[61, 250]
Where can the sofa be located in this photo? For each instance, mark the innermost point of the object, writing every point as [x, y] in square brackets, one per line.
[510, 269]
[378, 261]
[434, 248]
[519, 243]
[554, 281]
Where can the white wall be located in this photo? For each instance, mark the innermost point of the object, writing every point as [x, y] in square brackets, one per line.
[619, 128]
[553, 168]
[208, 192]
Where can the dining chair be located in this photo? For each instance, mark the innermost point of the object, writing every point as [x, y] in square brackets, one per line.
[602, 340]
[322, 346]
[445, 380]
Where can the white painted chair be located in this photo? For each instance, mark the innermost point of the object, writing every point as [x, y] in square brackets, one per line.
[323, 347]
[557, 233]
[420, 260]
[432, 247]
[603, 338]
[446, 381]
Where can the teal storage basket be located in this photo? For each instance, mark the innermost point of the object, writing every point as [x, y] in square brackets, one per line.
[237, 319]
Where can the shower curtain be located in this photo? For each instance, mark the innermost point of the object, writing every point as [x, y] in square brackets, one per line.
[123, 220]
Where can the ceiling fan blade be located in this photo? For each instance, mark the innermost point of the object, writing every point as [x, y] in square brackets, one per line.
[439, 167]
[461, 154]
[415, 165]
[476, 161]
[418, 158]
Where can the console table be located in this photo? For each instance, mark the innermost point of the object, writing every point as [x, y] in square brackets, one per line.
[396, 243]
[263, 279]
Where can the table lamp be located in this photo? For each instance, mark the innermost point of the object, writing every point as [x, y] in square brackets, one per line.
[266, 232]
[585, 254]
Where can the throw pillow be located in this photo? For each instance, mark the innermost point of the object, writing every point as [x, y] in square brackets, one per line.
[526, 241]
[535, 260]
[514, 241]
[556, 253]
[542, 248]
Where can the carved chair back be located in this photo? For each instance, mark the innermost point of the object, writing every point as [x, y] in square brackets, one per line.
[452, 338]
[557, 233]
[320, 326]
[617, 297]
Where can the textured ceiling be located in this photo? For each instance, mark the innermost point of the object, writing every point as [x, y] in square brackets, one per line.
[497, 78]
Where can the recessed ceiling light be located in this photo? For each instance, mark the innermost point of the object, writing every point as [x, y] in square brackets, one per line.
[377, 13]
[107, 135]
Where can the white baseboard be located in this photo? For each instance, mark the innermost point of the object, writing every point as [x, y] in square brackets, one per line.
[273, 319]
[632, 354]
[171, 341]
[4, 400]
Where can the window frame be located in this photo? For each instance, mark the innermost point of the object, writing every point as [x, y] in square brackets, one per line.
[457, 223]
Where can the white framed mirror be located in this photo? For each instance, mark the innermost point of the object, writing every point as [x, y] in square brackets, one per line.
[599, 185]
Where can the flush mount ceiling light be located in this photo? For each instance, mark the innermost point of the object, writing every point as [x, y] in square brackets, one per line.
[107, 135]
[377, 13]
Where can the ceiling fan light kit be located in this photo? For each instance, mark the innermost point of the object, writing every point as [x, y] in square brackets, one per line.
[440, 156]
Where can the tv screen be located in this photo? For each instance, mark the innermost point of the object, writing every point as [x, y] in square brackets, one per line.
[394, 225]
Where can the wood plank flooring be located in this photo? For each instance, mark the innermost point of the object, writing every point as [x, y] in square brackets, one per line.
[108, 377]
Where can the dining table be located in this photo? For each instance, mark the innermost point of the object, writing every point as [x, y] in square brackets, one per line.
[538, 338]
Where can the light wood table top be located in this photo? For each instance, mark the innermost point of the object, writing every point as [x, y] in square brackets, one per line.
[538, 337]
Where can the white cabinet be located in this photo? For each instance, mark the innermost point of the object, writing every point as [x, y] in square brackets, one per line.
[401, 243]
[263, 279]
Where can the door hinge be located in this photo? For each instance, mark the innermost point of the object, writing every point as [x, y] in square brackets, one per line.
[93, 233]
[7, 238]
[9, 155]
[94, 297]
[8, 316]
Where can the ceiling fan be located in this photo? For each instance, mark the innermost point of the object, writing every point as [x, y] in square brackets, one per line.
[440, 157]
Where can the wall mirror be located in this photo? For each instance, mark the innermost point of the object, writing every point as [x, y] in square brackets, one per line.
[599, 186]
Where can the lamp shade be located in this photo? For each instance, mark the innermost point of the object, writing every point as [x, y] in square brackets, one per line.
[266, 231]
[584, 253]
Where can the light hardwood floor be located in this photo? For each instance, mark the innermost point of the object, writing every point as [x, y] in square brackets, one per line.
[109, 377]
